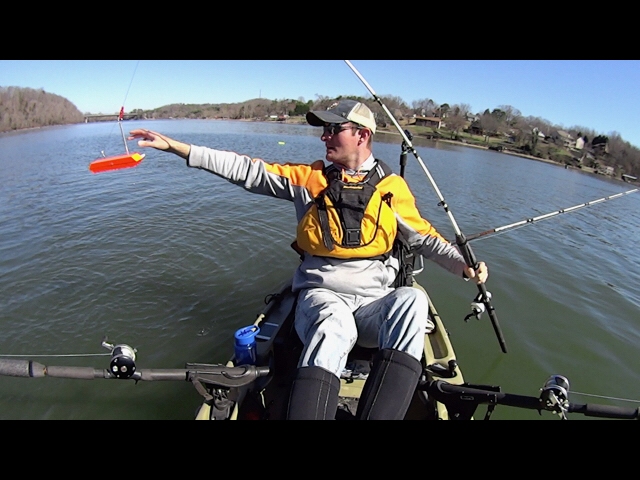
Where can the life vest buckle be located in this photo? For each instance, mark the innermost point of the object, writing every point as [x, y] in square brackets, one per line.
[352, 236]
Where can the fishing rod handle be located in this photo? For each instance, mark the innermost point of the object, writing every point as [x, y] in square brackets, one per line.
[494, 318]
[472, 262]
[466, 251]
[31, 369]
[89, 373]
[605, 411]
[21, 368]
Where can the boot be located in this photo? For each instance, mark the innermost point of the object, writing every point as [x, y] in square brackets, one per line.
[387, 393]
[314, 395]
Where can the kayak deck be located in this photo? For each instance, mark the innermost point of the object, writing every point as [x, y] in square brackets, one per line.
[279, 347]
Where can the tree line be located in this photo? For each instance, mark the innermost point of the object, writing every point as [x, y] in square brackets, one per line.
[27, 108]
[506, 121]
[502, 121]
[257, 108]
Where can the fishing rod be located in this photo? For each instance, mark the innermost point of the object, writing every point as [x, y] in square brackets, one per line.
[529, 221]
[122, 366]
[553, 397]
[483, 300]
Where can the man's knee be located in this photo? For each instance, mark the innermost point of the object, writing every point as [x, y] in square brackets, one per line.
[407, 322]
[327, 330]
[413, 296]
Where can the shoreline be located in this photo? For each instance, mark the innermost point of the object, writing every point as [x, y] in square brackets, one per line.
[297, 121]
[481, 147]
[301, 121]
[586, 170]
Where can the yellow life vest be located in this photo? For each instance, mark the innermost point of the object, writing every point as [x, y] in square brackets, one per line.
[350, 219]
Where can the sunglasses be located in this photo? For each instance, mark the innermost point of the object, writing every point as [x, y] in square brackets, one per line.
[335, 128]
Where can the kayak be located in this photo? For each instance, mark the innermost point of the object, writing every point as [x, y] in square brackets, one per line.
[278, 349]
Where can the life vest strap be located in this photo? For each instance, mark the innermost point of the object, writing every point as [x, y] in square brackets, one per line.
[324, 223]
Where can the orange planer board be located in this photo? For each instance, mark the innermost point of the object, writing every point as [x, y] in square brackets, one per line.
[116, 162]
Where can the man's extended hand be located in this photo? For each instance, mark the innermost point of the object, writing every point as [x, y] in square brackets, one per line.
[149, 138]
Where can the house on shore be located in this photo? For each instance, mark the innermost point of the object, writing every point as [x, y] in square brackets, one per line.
[563, 138]
[433, 122]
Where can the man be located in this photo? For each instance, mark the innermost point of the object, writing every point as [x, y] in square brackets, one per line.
[350, 213]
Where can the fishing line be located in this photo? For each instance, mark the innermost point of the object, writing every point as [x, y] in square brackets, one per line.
[130, 82]
[604, 396]
[61, 355]
[123, 104]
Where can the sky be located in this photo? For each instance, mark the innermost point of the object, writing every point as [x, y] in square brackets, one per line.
[601, 95]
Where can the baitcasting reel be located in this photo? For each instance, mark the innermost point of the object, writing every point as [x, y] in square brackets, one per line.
[122, 360]
[555, 395]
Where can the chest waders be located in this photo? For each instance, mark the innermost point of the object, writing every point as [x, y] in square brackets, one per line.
[314, 393]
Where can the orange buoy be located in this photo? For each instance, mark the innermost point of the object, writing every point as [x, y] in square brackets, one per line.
[116, 162]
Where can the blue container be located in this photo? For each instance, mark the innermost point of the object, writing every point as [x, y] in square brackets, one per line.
[245, 345]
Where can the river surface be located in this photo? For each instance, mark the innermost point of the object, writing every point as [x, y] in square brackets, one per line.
[171, 260]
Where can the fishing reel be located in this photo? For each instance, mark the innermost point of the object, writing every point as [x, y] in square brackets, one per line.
[477, 307]
[555, 395]
[123, 358]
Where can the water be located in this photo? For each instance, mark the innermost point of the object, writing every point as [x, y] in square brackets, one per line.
[172, 261]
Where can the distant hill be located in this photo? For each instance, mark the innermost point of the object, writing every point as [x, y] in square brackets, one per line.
[257, 108]
[29, 108]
